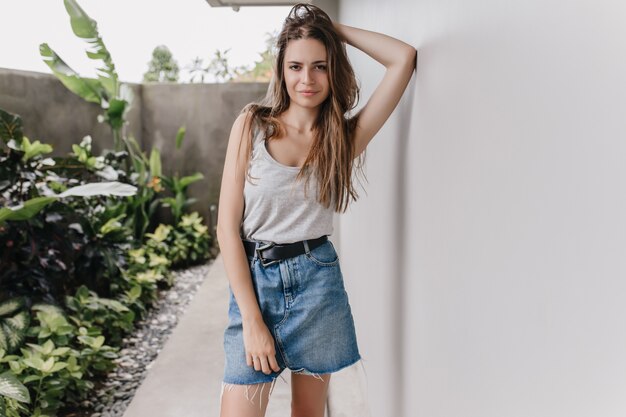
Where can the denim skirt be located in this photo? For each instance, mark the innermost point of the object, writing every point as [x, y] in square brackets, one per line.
[305, 306]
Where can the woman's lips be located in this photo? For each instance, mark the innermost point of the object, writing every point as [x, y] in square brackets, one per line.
[308, 93]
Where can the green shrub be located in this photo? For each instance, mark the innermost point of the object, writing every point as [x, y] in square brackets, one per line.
[14, 322]
[77, 272]
[90, 311]
[12, 394]
[189, 242]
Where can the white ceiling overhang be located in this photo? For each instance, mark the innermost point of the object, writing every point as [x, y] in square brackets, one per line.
[238, 3]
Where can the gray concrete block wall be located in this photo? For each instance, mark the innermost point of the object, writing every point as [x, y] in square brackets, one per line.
[208, 112]
[54, 115]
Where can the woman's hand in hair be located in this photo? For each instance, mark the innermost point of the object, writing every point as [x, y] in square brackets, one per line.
[399, 59]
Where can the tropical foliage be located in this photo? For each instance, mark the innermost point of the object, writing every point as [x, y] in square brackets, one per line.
[82, 257]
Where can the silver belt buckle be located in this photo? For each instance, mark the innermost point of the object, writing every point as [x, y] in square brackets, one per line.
[258, 254]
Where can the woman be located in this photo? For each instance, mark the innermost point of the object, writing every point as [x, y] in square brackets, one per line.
[288, 305]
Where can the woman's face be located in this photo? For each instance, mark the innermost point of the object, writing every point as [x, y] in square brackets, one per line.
[306, 72]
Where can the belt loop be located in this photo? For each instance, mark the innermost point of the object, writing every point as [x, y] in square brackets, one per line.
[256, 245]
[306, 246]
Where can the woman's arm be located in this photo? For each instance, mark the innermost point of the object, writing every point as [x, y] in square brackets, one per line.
[400, 60]
[258, 341]
[230, 211]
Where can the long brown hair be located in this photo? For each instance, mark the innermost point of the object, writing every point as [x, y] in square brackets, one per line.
[332, 153]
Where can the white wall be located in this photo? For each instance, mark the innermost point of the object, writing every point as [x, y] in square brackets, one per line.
[486, 265]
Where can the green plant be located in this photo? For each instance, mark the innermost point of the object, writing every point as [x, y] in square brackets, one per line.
[158, 241]
[12, 392]
[146, 267]
[114, 97]
[14, 321]
[89, 310]
[103, 166]
[53, 324]
[142, 206]
[58, 368]
[29, 208]
[56, 373]
[45, 362]
[95, 354]
[190, 241]
[50, 239]
[105, 239]
[132, 296]
[175, 184]
[45, 254]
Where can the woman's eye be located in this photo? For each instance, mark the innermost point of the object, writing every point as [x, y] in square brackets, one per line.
[295, 67]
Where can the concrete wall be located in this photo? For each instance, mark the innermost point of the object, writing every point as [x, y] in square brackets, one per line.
[208, 112]
[491, 283]
[54, 115]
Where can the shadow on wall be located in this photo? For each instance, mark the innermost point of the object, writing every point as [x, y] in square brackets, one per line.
[401, 239]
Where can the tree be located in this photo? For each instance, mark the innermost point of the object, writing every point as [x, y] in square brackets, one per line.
[222, 71]
[196, 69]
[163, 67]
[219, 66]
[263, 69]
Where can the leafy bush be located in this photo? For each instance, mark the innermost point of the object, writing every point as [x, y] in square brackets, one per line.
[14, 321]
[92, 312]
[189, 242]
[59, 362]
[12, 393]
[75, 273]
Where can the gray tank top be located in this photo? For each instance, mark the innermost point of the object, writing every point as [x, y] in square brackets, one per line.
[275, 207]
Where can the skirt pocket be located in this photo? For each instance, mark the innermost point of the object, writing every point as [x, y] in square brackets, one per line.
[324, 255]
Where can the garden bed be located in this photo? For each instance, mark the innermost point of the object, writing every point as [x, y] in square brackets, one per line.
[141, 348]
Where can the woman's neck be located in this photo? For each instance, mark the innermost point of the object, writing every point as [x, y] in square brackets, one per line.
[301, 120]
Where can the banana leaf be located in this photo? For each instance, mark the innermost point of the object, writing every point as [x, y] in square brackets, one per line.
[86, 28]
[87, 88]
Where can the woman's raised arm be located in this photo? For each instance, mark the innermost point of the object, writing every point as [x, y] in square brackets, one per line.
[399, 58]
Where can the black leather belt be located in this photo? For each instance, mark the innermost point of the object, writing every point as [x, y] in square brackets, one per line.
[270, 253]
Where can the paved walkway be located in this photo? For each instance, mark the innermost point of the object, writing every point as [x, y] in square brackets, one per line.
[185, 379]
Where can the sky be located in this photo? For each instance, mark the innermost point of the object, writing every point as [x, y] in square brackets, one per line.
[131, 29]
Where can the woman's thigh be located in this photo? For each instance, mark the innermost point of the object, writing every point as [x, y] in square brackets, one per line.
[245, 400]
[308, 395]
